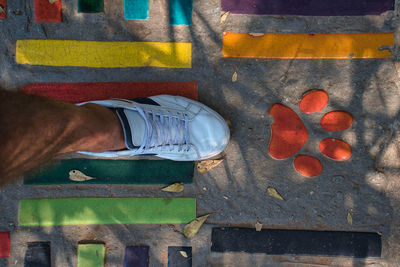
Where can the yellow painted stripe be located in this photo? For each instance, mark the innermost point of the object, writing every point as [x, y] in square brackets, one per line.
[104, 54]
[307, 46]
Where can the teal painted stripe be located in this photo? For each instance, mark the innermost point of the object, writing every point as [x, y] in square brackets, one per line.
[136, 9]
[90, 6]
[180, 12]
[87, 211]
[114, 172]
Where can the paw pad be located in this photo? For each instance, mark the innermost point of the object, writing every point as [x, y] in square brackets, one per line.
[289, 133]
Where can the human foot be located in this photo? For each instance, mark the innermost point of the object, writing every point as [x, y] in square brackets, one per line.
[170, 127]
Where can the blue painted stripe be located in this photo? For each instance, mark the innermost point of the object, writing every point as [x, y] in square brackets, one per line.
[136, 9]
[180, 12]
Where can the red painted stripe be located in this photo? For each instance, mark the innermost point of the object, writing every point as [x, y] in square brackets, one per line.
[4, 244]
[81, 92]
[3, 4]
[47, 12]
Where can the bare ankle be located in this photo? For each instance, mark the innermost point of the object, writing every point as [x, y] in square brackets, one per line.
[98, 129]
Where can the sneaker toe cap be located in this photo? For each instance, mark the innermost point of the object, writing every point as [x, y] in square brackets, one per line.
[209, 134]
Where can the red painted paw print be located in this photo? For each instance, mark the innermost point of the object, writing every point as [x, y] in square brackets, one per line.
[289, 133]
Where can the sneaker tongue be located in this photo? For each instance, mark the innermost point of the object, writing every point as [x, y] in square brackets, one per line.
[137, 125]
[134, 127]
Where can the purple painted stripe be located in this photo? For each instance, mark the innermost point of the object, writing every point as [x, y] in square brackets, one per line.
[308, 7]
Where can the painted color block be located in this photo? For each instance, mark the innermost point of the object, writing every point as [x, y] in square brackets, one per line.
[90, 6]
[91, 255]
[114, 172]
[47, 12]
[3, 5]
[38, 255]
[4, 244]
[136, 9]
[279, 242]
[78, 211]
[104, 54]
[180, 12]
[136, 256]
[308, 7]
[81, 92]
[176, 256]
[307, 46]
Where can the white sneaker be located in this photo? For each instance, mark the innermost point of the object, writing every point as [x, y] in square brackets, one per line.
[170, 127]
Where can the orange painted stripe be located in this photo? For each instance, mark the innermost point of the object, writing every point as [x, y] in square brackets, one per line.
[307, 46]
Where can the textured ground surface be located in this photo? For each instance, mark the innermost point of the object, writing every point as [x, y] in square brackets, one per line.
[367, 185]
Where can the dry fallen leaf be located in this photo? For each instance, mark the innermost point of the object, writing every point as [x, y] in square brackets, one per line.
[174, 188]
[183, 253]
[224, 17]
[194, 226]
[234, 77]
[256, 34]
[2, 10]
[78, 176]
[349, 218]
[273, 193]
[52, 1]
[258, 226]
[206, 165]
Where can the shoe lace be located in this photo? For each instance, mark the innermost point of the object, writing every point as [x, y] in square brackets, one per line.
[164, 130]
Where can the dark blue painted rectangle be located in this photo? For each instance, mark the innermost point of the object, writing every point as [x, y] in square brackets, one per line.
[38, 255]
[136, 256]
[179, 256]
[298, 242]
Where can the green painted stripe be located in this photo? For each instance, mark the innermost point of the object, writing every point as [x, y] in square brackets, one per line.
[114, 172]
[91, 255]
[85, 211]
[90, 6]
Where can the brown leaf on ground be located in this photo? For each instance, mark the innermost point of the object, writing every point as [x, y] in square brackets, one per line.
[234, 77]
[349, 218]
[224, 16]
[79, 176]
[273, 193]
[206, 165]
[258, 226]
[194, 226]
[174, 188]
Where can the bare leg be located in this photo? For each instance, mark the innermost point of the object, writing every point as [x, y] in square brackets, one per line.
[33, 130]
